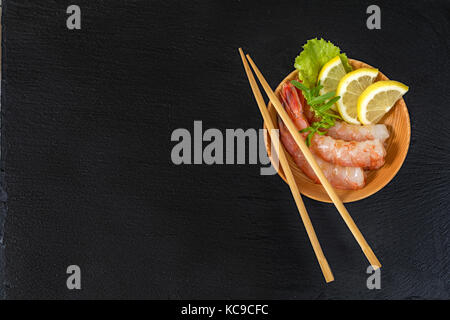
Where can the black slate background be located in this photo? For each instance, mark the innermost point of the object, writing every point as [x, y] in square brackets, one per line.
[86, 122]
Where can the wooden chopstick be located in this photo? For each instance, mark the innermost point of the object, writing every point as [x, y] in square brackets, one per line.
[310, 158]
[328, 275]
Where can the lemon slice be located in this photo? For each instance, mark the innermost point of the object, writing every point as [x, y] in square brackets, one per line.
[378, 99]
[350, 88]
[330, 75]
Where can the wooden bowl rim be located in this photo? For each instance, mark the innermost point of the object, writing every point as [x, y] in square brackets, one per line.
[350, 199]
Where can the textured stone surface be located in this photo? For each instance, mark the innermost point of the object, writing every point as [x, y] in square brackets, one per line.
[87, 118]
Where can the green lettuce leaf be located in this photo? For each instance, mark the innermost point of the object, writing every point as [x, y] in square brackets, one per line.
[314, 56]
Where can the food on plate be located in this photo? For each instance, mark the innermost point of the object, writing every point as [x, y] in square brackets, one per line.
[350, 88]
[330, 75]
[316, 53]
[318, 108]
[367, 154]
[293, 105]
[350, 132]
[351, 178]
[343, 148]
[378, 99]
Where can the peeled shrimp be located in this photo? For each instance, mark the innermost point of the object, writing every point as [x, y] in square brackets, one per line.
[350, 178]
[351, 132]
[367, 154]
[346, 131]
[339, 176]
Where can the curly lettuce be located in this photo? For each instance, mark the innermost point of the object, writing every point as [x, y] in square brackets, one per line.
[313, 57]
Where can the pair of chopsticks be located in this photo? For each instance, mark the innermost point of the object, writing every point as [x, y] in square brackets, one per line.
[328, 275]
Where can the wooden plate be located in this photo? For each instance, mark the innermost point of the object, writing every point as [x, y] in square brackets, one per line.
[398, 124]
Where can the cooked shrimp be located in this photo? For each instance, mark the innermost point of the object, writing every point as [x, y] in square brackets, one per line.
[350, 178]
[346, 131]
[367, 154]
[339, 176]
[293, 105]
[351, 132]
